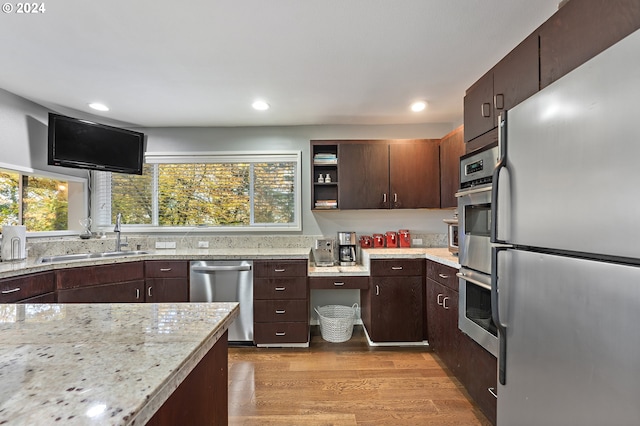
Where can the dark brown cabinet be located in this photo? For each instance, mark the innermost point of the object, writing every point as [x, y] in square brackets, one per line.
[324, 162]
[281, 302]
[451, 149]
[380, 174]
[393, 304]
[479, 376]
[32, 288]
[580, 30]
[469, 362]
[442, 314]
[114, 283]
[511, 81]
[166, 281]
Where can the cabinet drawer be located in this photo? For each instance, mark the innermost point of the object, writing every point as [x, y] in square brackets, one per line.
[442, 274]
[397, 267]
[282, 288]
[281, 332]
[166, 269]
[281, 310]
[327, 283]
[126, 292]
[102, 274]
[280, 268]
[18, 288]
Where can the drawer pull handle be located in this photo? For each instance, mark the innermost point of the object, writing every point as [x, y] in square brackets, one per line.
[338, 284]
[281, 288]
[444, 303]
[377, 290]
[279, 270]
[439, 301]
[149, 291]
[13, 290]
[396, 268]
[165, 269]
[443, 276]
[280, 312]
[280, 333]
[492, 391]
[137, 293]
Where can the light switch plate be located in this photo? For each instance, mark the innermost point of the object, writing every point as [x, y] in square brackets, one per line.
[170, 244]
[203, 244]
[160, 245]
[417, 241]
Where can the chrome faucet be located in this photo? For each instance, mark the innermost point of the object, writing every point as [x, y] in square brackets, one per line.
[119, 244]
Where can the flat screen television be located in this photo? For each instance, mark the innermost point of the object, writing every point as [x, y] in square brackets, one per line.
[84, 144]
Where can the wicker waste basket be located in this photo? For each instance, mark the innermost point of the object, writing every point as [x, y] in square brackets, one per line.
[336, 322]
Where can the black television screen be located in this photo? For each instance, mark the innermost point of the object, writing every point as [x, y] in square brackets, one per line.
[87, 145]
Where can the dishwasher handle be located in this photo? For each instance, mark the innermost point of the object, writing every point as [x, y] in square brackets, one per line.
[213, 269]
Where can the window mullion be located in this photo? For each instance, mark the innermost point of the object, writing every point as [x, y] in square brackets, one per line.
[252, 210]
[154, 196]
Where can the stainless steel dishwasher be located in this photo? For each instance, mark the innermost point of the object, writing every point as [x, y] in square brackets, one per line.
[226, 281]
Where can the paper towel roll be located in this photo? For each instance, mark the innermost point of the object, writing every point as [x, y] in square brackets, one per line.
[14, 239]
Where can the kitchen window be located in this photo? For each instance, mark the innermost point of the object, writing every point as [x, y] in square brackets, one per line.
[43, 202]
[205, 191]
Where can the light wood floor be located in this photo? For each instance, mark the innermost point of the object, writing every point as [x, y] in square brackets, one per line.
[345, 384]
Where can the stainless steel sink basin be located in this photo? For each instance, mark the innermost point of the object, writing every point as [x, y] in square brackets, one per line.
[81, 256]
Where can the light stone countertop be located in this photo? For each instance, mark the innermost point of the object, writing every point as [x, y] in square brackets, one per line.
[437, 254]
[100, 364]
[14, 268]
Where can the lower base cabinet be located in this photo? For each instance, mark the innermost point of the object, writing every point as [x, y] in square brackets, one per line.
[281, 302]
[393, 304]
[469, 362]
[203, 397]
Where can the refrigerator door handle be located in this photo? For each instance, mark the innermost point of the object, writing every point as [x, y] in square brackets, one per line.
[495, 313]
[502, 164]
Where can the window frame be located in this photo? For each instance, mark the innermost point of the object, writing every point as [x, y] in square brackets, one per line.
[73, 227]
[207, 157]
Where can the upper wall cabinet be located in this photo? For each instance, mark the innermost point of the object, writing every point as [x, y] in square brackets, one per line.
[451, 149]
[380, 174]
[574, 34]
[511, 81]
[580, 30]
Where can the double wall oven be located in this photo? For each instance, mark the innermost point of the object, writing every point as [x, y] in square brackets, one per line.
[474, 221]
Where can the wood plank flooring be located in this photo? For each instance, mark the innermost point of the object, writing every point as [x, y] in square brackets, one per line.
[345, 384]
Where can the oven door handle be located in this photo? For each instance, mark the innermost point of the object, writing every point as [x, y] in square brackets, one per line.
[473, 281]
[502, 164]
[495, 313]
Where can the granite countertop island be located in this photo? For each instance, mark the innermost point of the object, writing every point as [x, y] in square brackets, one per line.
[101, 364]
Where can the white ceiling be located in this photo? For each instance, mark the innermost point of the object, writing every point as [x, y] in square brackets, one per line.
[203, 62]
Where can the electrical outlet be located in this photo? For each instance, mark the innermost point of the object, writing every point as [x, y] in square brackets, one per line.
[203, 244]
[170, 244]
[417, 241]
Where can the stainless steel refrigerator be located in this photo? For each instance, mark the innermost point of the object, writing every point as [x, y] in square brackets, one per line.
[566, 252]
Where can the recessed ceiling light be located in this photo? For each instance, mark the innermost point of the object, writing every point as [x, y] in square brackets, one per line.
[418, 106]
[260, 105]
[98, 106]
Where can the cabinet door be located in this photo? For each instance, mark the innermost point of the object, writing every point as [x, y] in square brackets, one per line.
[435, 320]
[131, 291]
[396, 309]
[162, 290]
[478, 108]
[364, 175]
[451, 149]
[414, 174]
[580, 30]
[516, 76]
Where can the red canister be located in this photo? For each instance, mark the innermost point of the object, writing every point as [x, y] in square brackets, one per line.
[378, 240]
[404, 238]
[392, 239]
[366, 241]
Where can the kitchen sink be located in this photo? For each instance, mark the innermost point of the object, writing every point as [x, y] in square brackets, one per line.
[81, 256]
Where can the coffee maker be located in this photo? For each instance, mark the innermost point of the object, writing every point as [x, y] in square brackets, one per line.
[347, 248]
